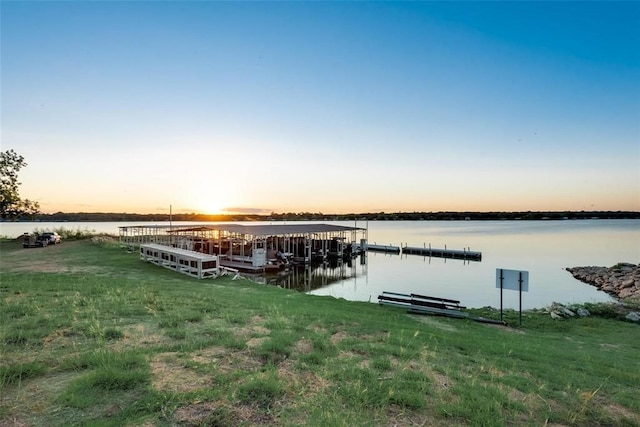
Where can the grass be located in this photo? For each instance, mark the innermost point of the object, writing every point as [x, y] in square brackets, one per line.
[90, 335]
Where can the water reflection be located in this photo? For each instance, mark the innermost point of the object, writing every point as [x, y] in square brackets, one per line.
[306, 278]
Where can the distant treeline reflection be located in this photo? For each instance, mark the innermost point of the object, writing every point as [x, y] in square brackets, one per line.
[309, 216]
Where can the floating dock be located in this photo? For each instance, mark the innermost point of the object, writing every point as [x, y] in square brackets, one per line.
[465, 254]
[382, 248]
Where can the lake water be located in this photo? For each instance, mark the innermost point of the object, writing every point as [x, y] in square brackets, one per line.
[543, 248]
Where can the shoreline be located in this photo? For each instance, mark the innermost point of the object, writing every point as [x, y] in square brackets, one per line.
[621, 281]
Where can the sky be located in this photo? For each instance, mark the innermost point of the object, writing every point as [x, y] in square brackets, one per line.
[332, 107]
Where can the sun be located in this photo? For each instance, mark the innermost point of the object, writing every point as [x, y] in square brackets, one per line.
[212, 207]
[206, 201]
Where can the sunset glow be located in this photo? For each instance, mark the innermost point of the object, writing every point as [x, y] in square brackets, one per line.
[332, 107]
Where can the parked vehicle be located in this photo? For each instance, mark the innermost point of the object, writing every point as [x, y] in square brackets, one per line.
[54, 238]
[34, 240]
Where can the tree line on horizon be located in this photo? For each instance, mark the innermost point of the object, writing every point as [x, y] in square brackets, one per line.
[15, 208]
[318, 216]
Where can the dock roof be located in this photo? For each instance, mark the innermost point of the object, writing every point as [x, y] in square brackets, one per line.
[270, 229]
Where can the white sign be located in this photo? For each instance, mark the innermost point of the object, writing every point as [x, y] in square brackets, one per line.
[512, 279]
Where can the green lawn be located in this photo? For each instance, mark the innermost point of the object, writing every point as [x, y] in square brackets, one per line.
[91, 335]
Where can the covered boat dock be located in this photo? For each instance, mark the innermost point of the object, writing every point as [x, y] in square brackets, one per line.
[254, 247]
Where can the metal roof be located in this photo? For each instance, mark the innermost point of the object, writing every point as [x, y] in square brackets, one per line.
[270, 229]
[182, 252]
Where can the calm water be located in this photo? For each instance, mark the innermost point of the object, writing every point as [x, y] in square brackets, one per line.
[543, 248]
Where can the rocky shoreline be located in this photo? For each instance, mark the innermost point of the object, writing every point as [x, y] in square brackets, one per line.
[622, 280]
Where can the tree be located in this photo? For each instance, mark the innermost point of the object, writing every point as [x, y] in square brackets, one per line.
[11, 205]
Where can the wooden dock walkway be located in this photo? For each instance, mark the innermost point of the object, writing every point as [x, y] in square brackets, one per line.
[382, 248]
[443, 253]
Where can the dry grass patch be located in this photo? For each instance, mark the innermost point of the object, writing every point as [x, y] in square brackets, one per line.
[337, 337]
[492, 371]
[238, 360]
[442, 383]
[258, 319]
[60, 338]
[169, 374]
[140, 336]
[210, 355]
[613, 410]
[200, 414]
[256, 342]
[33, 397]
[253, 328]
[13, 422]
[304, 346]
[617, 412]
[307, 383]
[254, 416]
[400, 417]
[349, 355]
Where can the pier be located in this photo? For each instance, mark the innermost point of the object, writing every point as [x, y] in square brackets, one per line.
[464, 254]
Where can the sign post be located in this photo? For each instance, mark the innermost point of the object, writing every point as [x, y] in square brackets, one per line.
[513, 280]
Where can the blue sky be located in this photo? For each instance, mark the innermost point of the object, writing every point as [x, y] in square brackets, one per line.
[323, 106]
